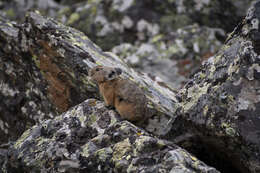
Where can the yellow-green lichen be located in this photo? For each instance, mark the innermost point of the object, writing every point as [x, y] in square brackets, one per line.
[205, 110]
[233, 67]
[160, 143]
[9, 24]
[36, 61]
[113, 120]
[215, 88]
[128, 157]
[104, 153]
[193, 158]
[145, 88]
[74, 112]
[20, 141]
[39, 159]
[131, 168]
[59, 118]
[212, 71]
[224, 125]
[195, 93]
[230, 131]
[73, 75]
[140, 143]
[40, 140]
[98, 63]
[78, 43]
[120, 149]
[37, 12]
[196, 164]
[230, 99]
[87, 82]
[212, 115]
[73, 18]
[123, 126]
[92, 118]
[157, 38]
[202, 75]
[85, 150]
[217, 59]
[211, 125]
[84, 37]
[173, 49]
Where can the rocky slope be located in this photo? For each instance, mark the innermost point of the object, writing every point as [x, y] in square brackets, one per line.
[44, 66]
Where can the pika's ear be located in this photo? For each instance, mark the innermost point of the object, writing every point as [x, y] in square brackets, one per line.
[118, 71]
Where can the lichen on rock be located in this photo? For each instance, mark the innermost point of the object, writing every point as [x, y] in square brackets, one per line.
[69, 143]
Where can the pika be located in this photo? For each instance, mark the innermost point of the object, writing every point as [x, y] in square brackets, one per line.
[127, 98]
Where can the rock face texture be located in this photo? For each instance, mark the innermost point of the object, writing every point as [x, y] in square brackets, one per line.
[43, 72]
[90, 138]
[23, 92]
[223, 99]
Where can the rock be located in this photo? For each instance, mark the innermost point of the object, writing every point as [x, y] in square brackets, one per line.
[44, 67]
[221, 102]
[22, 91]
[91, 138]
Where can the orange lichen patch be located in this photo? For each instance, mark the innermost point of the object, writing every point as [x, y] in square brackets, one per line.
[59, 85]
[182, 67]
[206, 56]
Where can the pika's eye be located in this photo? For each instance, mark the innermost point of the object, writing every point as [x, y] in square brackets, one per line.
[111, 74]
[97, 69]
[120, 99]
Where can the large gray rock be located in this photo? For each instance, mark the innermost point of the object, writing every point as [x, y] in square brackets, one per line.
[23, 92]
[91, 138]
[221, 102]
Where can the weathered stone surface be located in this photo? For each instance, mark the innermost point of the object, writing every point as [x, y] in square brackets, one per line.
[217, 110]
[221, 103]
[23, 93]
[90, 138]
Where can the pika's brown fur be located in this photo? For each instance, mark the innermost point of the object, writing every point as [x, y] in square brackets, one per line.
[128, 99]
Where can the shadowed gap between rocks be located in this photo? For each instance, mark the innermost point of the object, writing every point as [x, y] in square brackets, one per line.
[209, 153]
[207, 150]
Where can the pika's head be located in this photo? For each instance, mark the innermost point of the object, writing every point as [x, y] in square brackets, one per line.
[101, 74]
